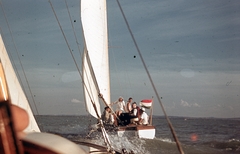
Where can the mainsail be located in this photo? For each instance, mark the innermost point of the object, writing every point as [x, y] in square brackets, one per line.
[95, 58]
[15, 92]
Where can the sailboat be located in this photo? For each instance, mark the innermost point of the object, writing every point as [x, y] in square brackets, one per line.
[95, 66]
[95, 75]
[32, 140]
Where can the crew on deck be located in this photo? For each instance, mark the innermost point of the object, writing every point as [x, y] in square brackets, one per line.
[120, 106]
[134, 113]
[107, 116]
[143, 117]
[129, 114]
[129, 105]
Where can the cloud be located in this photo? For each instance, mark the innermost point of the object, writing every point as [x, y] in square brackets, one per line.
[186, 104]
[70, 76]
[75, 101]
[195, 104]
[188, 73]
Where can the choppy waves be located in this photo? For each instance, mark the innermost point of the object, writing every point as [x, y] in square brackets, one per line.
[212, 135]
[232, 145]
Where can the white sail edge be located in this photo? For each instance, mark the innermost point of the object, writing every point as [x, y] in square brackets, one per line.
[94, 23]
[16, 93]
[89, 88]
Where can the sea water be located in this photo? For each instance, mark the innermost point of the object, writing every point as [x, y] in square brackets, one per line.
[196, 135]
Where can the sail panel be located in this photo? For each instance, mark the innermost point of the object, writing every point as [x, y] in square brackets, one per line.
[90, 89]
[94, 23]
[16, 94]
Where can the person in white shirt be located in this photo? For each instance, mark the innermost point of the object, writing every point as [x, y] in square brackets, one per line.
[120, 106]
[143, 117]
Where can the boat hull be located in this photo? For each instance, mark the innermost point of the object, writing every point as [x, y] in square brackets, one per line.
[141, 131]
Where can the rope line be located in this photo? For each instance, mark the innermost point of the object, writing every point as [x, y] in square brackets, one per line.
[150, 78]
[69, 48]
[25, 76]
[107, 141]
[78, 45]
[65, 38]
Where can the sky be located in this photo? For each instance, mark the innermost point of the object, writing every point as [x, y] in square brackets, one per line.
[191, 49]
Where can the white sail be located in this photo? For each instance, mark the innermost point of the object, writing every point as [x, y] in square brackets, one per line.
[16, 94]
[94, 23]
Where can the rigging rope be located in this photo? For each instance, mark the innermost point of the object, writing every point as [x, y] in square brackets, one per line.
[25, 76]
[75, 62]
[107, 141]
[65, 38]
[150, 78]
[78, 45]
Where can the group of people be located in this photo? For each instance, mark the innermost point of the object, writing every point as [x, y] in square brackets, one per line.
[130, 111]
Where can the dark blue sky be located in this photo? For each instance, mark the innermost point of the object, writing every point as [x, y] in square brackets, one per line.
[191, 49]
